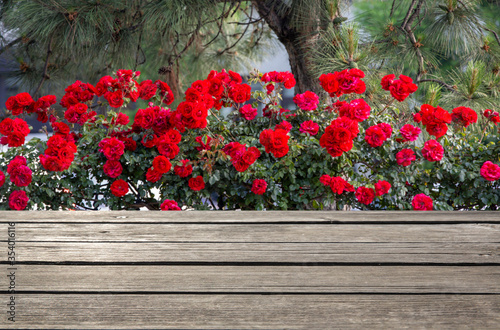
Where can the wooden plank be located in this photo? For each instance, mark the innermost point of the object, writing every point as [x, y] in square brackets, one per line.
[256, 233]
[253, 216]
[256, 311]
[384, 252]
[262, 279]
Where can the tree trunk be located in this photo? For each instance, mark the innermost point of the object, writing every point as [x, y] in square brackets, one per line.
[297, 41]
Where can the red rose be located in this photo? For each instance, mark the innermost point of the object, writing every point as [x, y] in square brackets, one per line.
[422, 202]
[147, 89]
[337, 184]
[464, 116]
[18, 200]
[248, 112]
[489, 171]
[325, 179]
[309, 127]
[2, 178]
[115, 99]
[375, 136]
[112, 148]
[401, 88]
[405, 157]
[357, 110]
[259, 186]
[240, 93]
[119, 188]
[152, 175]
[184, 170]
[410, 132]
[161, 164]
[382, 187]
[307, 101]
[21, 176]
[365, 195]
[196, 183]
[284, 125]
[113, 168]
[122, 119]
[167, 149]
[169, 205]
[432, 151]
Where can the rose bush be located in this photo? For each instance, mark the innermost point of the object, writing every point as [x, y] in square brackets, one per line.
[333, 150]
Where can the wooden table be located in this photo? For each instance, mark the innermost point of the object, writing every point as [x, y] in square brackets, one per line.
[251, 269]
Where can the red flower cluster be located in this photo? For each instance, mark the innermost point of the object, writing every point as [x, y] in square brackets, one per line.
[78, 114]
[161, 165]
[169, 205]
[410, 132]
[307, 101]
[155, 121]
[259, 186]
[19, 103]
[41, 107]
[433, 151]
[240, 156]
[18, 200]
[376, 135]
[61, 149]
[167, 144]
[434, 120]
[183, 170]
[357, 110]
[15, 131]
[365, 195]
[492, 116]
[119, 188]
[405, 157]
[339, 135]
[382, 187]
[401, 88]
[112, 148]
[336, 184]
[286, 78]
[20, 173]
[464, 116]
[112, 168]
[422, 202]
[284, 125]
[343, 82]
[309, 127]
[275, 142]
[196, 183]
[248, 112]
[490, 171]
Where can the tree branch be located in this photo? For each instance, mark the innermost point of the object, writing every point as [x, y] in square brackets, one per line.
[442, 83]
[494, 33]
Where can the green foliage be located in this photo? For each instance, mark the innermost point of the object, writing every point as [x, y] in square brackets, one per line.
[454, 183]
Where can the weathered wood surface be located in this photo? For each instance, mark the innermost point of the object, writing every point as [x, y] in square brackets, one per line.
[253, 269]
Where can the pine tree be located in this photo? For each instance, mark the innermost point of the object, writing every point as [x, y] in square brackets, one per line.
[181, 39]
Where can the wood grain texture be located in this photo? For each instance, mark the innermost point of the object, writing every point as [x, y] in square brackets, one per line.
[263, 279]
[384, 252]
[253, 216]
[257, 311]
[254, 269]
[257, 233]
